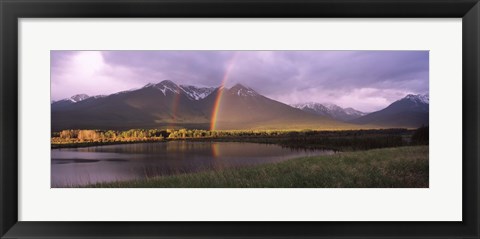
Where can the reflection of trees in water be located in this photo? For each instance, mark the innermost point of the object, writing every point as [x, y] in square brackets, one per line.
[149, 160]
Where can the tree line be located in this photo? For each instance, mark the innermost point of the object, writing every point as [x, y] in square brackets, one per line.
[83, 135]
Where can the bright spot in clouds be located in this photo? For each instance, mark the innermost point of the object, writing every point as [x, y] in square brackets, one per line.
[86, 72]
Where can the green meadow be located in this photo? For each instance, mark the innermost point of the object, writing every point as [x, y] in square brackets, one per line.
[400, 167]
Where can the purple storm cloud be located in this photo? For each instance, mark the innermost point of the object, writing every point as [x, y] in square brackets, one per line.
[364, 80]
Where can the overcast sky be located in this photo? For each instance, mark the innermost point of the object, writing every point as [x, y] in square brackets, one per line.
[364, 80]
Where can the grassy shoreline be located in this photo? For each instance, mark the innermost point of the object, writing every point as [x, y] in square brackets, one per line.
[399, 167]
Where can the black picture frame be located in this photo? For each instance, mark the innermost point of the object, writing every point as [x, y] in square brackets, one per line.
[12, 10]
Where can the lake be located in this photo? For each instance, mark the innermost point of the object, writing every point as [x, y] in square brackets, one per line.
[81, 166]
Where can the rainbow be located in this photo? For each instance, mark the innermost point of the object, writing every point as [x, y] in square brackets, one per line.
[215, 150]
[175, 104]
[218, 98]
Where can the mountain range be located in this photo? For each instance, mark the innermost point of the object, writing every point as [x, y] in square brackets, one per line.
[330, 110]
[166, 105]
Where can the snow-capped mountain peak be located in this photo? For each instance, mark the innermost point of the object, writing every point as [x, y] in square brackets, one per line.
[167, 86]
[196, 93]
[78, 98]
[425, 99]
[352, 111]
[241, 90]
[311, 105]
[192, 92]
[331, 106]
[330, 110]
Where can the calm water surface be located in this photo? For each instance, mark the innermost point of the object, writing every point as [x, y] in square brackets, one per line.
[80, 166]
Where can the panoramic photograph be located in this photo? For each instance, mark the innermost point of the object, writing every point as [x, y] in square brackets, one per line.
[239, 119]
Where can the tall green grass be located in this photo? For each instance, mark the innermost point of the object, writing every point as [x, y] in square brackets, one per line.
[401, 167]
